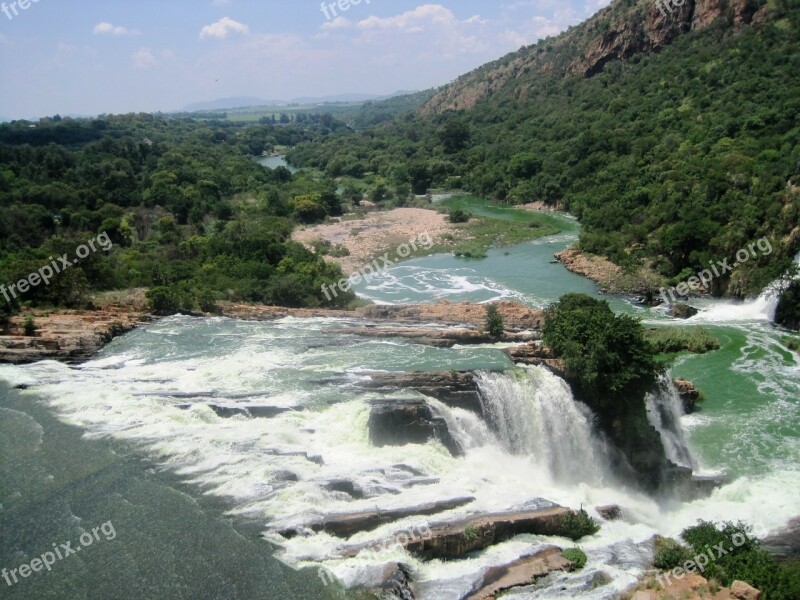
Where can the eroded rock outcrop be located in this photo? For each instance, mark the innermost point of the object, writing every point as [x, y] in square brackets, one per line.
[456, 389]
[397, 422]
[618, 32]
[71, 336]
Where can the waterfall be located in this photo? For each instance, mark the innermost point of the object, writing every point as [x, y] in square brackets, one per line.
[664, 412]
[532, 411]
[761, 309]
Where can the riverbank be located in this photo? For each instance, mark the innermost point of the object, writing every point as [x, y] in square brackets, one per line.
[610, 277]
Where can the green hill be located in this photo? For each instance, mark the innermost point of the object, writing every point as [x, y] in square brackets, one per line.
[673, 137]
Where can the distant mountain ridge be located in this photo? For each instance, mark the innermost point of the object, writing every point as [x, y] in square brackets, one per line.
[247, 101]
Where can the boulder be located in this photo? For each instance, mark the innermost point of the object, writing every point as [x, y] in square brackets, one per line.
[398, 422]
[456, 389]
[347, 524]
[522, 571]
[744, 591]
[682, 311]
[689, 395]
[611, 512]
[456, 538]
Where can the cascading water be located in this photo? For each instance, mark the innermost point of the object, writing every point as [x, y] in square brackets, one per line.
[761, 309]
[664, 412]
[533, 412]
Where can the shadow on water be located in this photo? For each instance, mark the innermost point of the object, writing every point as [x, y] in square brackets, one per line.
[57, 485]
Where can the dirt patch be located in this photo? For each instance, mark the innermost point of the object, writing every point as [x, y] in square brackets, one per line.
[371, 236]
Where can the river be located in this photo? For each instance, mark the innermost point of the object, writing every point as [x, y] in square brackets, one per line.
[197, 500]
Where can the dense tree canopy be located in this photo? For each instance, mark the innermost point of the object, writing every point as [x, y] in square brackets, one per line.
[187, 208]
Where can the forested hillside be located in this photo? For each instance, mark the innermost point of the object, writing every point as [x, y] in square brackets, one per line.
[673, 138]
[190, 213]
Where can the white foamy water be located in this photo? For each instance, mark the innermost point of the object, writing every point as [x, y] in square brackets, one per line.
[537, 443]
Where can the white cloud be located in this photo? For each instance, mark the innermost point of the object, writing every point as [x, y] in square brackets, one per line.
[337, 23]
[144, 58]
[413, 20]
[105, 28]
[223, 28]
[221, 2]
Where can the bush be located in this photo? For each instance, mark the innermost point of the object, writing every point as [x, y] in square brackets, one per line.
[746, 561]
[579, 524]
[668, 340]
[670, 554]
[459, 215]
[29, 327]
[576, 556]
[494, 321]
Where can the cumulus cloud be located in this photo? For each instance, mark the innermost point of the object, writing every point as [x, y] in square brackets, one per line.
[144, 58]
[412, 21]
[106, 28]
[223, 28]
[337, 23]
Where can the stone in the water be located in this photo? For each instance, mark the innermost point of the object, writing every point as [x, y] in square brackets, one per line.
[612, 512]
[398, 422]
[683, 311]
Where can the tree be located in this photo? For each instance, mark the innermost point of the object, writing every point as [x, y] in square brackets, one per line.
[607, 356]
[454, 136]
[494, 321]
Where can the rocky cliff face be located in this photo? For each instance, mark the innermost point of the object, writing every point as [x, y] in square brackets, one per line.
[617, 32]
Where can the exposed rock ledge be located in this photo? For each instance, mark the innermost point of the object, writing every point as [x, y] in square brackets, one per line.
[69, 336]
[609, 276]
[75, 336]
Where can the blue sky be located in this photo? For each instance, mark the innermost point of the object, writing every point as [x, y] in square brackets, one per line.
[113, 56]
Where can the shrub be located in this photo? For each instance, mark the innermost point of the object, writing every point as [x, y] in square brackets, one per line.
[459, 215]
[29, 326]
[207, 301]
[576, 556]
[668, 340]
[670, 554]
[494, 321]
[579, 524]
[746, 562]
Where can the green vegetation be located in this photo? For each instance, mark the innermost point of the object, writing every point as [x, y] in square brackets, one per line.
[578, 525]
[471, 533]
[29, 326]
[607, 356]
[670, 554]
[792, 343]
[744, 559]
[788, 312]
[670, 159]
[494, 321]
[670, 340]
[458, 215]
[576, 556]
[191, 215]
